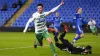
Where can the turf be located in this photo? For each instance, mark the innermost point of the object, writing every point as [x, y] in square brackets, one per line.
[19, 44]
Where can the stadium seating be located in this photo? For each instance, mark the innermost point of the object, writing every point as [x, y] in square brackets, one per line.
[91, 9]
[6, 15]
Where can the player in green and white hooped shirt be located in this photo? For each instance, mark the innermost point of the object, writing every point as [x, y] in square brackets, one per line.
[40, 25]
[92, 25]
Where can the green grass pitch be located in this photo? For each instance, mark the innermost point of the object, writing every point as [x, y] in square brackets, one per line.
[19, 44]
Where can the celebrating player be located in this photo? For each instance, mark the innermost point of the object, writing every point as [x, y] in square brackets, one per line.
[40, 25]
[77, 24]
[92, 25]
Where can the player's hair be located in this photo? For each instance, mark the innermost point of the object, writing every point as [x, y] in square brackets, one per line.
[78, 8]
[40, 4]
[88, 47]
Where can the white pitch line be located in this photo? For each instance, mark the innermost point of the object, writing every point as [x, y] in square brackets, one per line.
[43, 45]
[16, 48]
[86, 42]
[19, 47]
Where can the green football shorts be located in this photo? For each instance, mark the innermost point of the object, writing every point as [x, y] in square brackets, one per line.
[42, 35]
[94, 30]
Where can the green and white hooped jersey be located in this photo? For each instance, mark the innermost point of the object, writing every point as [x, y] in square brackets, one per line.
[92, 24]
[40, 22]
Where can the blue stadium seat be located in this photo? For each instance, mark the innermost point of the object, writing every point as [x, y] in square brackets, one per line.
[91, 8]
[6, 15]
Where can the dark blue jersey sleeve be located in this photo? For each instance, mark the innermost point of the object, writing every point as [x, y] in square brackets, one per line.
[74, 20]
[53, 20]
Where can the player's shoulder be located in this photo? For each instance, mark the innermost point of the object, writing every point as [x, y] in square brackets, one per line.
[35, 13]
[77, 14]
[54, 17]
[45, 12]
[94, 21]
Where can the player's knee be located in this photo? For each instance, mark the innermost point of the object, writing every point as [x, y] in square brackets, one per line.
[82, 35]
[49, 41]
[76, 35]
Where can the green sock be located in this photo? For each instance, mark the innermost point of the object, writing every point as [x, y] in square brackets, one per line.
[52, 47]
[37, 43]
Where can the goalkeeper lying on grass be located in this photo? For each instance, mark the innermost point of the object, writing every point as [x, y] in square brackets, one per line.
[67, 46]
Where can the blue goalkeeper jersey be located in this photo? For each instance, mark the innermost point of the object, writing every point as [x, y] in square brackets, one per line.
[56, 21]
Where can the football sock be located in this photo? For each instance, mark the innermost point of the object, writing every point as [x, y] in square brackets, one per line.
[37, 43]
[52, 47]
[96, 34]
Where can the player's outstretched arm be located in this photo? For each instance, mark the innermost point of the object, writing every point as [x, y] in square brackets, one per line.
[30, 20]
[54, 9]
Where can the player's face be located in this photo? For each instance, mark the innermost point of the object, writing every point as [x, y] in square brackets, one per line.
[57, 14]
[80, 10]
[40, 9]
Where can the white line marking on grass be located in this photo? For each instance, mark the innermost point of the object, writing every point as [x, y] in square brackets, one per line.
[19, 47]
[16, 48]
[86, 43]
[43, 45]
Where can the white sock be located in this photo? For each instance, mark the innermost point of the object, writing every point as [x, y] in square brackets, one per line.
[74, 40]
